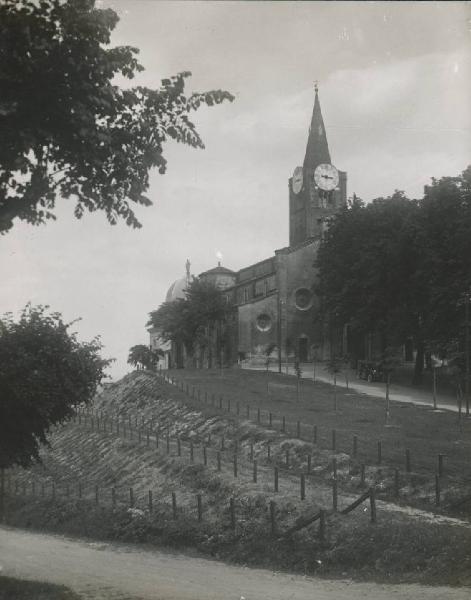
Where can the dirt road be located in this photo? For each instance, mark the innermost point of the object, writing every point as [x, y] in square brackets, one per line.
[101, 571]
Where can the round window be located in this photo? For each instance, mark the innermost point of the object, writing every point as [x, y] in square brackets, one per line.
[303, 299]
[264, 322]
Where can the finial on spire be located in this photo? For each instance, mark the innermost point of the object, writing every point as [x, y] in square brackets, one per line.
[187, 267]
[316, 86]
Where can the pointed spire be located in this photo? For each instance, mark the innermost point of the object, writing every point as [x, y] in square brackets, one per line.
[317, 149]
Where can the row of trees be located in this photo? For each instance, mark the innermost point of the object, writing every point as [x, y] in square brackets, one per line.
[402, 268]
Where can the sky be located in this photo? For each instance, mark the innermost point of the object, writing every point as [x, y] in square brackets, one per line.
[395, 91]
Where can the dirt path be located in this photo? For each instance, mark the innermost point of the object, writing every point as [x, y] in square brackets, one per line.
[101, 571]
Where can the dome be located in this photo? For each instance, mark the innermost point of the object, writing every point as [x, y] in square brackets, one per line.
[176, 290]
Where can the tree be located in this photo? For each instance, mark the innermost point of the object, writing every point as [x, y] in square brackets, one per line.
[66, 129]
[187, 320]
[363, 265]
[268, 352]
[389, 361]
[399, 267]
[143, 357]
[334, 367]
[45, 373]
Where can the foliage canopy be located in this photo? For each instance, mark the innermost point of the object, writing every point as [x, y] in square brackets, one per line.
[143, 357]
[185, 320]
[44, 373]
[401, 267]
[66, 129]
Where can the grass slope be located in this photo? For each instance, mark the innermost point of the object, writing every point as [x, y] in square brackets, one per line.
[17, 589]
[400, 547]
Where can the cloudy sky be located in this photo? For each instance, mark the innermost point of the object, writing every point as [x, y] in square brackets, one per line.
[395, 91]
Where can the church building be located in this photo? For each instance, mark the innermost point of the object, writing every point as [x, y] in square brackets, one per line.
[273, 304]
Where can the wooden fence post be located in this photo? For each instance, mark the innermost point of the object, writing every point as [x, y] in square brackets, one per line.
[148, 438]
[131, 497]
[268, 450]
[298, 430]
[380, 452]
[270, 420]
[322, 524]
[334, 468]
[362, 475]
[156, 438]
[205, 456]
[408, 462]
[200, 507]
[272, 517]
[255, 471]
[53, 491]
[303, 486]
[179, 446]
[309, 458]
[440, 465]
[334, 495]
[232, 512]
[314, 434]
[275, 473]
[235, 465]
[373, 505]
[287, 457]
[174, 506]
[251, 450]
[334, 440]
[168, 442]
[150, 502]
[283, 425]
[218, 458]
[437, 490]
[113, 497]
[223, 446]
[192, 452]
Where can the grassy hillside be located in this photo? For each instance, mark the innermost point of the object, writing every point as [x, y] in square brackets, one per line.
[84, 487]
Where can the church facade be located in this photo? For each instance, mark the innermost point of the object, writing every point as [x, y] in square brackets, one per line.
[272, 304]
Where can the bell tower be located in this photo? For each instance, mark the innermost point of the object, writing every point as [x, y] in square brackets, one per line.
[317, 189]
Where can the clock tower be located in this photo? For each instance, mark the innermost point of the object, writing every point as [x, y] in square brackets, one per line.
[317, 189]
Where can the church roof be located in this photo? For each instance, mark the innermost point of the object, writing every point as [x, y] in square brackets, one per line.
[218, 271]
[317, 149]
[176, 290]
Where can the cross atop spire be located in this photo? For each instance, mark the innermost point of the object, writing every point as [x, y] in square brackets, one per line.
[317, 149]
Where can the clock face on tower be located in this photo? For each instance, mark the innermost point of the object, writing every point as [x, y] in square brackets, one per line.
[297, 181]
[326, 177]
